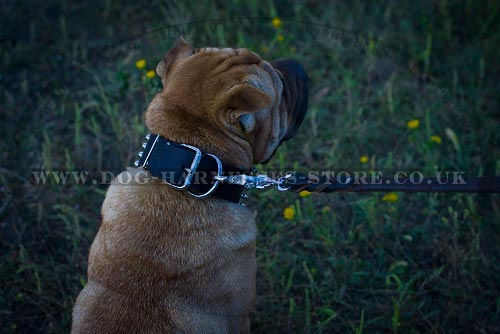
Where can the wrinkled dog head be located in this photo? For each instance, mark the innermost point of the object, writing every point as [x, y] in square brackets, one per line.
[229, 102]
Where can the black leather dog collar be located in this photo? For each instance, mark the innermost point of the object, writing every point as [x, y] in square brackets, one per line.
[187, 167]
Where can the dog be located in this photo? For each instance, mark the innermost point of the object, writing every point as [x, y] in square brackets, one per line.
[164, 261]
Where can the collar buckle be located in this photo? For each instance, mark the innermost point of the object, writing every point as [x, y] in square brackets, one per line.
[190, 170]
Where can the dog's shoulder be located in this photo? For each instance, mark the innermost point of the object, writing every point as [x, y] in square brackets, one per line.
[130, 194]
[135, 195]
[138, 207]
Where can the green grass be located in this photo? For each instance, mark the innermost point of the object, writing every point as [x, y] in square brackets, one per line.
[426, 263]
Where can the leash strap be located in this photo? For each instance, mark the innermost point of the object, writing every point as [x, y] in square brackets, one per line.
[299, 182]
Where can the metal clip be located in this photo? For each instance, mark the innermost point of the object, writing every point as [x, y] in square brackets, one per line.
[260, 181]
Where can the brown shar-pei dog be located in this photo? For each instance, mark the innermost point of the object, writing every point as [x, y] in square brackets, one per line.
[164, 261]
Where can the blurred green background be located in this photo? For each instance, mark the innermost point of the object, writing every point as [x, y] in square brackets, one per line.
[394, 86]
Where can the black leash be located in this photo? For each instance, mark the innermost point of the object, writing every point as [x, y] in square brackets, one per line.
[327, 184]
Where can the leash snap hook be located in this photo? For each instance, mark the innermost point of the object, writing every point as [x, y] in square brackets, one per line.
[260, 181]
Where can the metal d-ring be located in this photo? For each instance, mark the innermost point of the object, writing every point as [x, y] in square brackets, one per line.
[216, 183]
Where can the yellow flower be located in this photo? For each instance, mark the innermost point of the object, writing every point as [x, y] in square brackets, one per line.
[140, 64]
[390, 197]
[413, 124]
[150, 74]
[265, 49]
[277, 23]
[363, 159]
[436, 139]
[305, 193]
[289, 212]
[280, 38]
[326, 209]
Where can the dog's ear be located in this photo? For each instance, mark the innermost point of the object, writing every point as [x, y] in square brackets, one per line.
[245, 98]
[294, 97]
[295, 93]
[181, 49]
[242, 101]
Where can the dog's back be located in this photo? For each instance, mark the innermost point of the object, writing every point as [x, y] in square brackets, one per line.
[164, 261]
